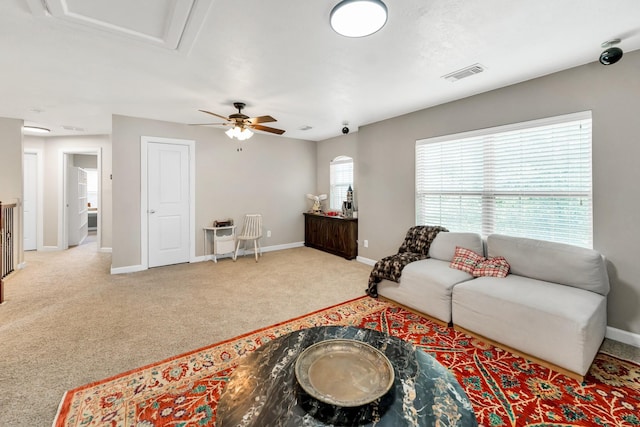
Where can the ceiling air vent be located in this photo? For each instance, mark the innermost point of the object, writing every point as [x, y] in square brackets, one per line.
[464, 72]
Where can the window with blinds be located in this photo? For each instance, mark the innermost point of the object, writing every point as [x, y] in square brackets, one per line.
[530, 179]
[340, 177]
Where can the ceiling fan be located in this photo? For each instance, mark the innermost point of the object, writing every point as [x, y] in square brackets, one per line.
[241, 123]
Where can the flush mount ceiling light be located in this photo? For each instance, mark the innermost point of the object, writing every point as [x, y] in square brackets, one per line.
[611, 54]
[358, 18]
[35, 129]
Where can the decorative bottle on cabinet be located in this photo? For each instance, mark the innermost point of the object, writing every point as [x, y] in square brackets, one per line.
[347, 207]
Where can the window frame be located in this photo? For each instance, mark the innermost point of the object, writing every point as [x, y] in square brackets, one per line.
[338, 191]
[486, 193]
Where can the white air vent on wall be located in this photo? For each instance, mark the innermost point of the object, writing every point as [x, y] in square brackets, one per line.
[464, 72]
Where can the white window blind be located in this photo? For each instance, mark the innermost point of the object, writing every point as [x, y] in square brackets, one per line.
[531, 179]
[340, 177]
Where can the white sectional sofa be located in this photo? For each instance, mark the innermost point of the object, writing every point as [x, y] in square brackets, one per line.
[551, 307]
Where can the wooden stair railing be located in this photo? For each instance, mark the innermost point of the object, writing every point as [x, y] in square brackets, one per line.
[7, 229]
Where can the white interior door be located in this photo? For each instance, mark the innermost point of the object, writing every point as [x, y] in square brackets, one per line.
[30, 203]
[168, 203]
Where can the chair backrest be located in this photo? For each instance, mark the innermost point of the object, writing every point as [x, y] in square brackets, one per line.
[252, 227]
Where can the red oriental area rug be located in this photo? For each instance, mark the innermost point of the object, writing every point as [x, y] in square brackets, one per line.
[505, 390]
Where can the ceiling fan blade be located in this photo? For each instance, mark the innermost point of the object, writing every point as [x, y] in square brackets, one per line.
[206, 124]
[267, 129]
[214, 114]
[262, 119]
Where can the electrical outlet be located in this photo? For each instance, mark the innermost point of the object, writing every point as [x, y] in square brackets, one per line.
[268, 233]
[366, 243]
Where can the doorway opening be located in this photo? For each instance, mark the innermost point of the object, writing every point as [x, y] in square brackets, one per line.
[79, 211]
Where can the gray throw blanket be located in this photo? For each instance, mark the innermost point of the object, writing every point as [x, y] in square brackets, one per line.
[415, 247]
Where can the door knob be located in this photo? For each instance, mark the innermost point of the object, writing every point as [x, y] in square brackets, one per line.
[152, 211]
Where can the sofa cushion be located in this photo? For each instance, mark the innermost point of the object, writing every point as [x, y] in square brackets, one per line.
[492, 267]
[465, 260]
[425, 286]
[560, 324]
[552, 262]
[444, 245]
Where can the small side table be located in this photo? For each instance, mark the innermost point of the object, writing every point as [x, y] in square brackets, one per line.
[224, 240]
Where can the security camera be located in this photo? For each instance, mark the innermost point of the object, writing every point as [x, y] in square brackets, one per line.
[611, 54]
[345, 130]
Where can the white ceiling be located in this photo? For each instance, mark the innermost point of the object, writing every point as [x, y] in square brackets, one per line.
[74, 63]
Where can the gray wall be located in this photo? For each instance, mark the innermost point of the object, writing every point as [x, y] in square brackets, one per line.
[11, 176]
[270, 176]
[10, 159]
[386, 169]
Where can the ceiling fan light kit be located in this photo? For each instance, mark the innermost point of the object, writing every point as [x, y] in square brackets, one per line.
[358, 18]
[239, 134]
[241, 124]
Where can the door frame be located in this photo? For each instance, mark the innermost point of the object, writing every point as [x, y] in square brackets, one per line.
[39, 153]
[63, 220]
[144, 194]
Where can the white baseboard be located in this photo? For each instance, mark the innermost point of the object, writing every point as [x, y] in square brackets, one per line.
[105, 250]
[281, 247]
[367, 261]
[22, 265]
[128, 269]
[202, 258]
[209, 257]
[49, 248]
[273, 248]
[623, 336]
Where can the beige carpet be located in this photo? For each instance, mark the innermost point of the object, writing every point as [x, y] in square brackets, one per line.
[67, 322]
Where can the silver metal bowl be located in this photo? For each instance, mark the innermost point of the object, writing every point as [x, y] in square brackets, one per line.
[344, 372]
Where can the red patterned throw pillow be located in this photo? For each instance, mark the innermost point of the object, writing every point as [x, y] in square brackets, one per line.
[492, 267]
[465, 260]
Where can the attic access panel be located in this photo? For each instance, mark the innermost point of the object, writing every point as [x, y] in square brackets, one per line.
[172, 24]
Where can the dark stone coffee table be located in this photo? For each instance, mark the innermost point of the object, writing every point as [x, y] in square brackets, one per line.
[263, 390]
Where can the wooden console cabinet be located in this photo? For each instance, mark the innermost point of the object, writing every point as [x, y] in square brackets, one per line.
[335, 235]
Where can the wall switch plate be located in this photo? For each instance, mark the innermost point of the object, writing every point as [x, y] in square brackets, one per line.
[268, 233]
[366, 243]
